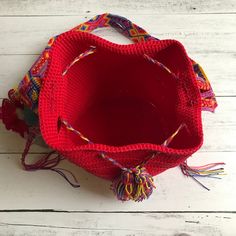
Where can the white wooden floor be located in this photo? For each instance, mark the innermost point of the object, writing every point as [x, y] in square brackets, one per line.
[42, 203]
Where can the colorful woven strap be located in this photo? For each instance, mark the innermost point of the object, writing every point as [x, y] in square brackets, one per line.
[121, 24]
[29, 88]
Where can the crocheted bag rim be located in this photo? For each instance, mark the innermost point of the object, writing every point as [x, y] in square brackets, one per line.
[51, 89]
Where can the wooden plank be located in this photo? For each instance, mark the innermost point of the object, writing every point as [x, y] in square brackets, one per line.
[142, 224]
[222, 77]
[204, 40]
[11, 142]
[199, 33]
[13, 69]
[63, 7]
[47, 190]
[219, 131]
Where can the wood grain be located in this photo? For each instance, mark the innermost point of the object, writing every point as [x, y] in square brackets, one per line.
[204, 40]
[113, 224]
[175, 192]
[199, 34]
[70, 7]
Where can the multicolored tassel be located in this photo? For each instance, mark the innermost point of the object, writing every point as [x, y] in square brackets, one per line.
[133, 184]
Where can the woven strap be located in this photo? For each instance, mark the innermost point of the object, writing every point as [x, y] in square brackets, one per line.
[121, 24]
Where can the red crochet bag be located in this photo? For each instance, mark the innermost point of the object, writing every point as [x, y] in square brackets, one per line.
[122, 112]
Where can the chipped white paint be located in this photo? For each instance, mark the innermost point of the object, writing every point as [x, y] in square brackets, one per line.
[199, 33]
[46, 190]
[205, 41]
[71, 7]
[179, 206]
[145, 224]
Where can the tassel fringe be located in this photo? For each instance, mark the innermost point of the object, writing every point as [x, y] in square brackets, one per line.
[47, 162]
[212, 170]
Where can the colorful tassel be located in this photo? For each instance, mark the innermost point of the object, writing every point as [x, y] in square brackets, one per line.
[208, 170]
[133, 184]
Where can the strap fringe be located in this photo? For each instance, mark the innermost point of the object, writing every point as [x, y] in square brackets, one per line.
[47, 162]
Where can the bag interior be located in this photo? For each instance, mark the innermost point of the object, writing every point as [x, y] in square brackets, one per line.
[118, 99]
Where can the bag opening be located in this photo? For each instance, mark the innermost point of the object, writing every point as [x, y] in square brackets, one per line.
[116, 97]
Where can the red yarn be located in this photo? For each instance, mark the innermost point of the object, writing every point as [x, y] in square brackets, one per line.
[127, 105]
[47, 162]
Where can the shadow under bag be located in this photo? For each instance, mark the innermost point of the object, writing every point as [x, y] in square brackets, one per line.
[122, 112]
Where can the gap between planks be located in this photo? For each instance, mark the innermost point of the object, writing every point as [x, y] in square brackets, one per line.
[106, 224]
[115, 212]
[197, 34]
